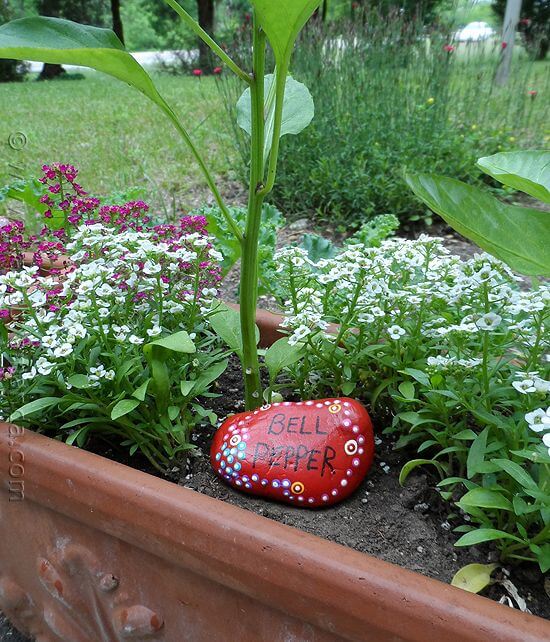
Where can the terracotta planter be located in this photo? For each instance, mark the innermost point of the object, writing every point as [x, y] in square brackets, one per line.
[93, 551]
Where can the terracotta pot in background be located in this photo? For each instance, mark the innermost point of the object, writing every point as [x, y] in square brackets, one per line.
[59, 265]
[94, 551]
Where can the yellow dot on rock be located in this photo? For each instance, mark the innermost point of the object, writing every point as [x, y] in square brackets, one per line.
[297, 488]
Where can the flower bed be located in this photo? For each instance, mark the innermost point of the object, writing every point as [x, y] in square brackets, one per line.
[119, 352]
[453, 357]
[125, 325]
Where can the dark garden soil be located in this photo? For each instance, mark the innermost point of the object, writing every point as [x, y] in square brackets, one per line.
[8, 633]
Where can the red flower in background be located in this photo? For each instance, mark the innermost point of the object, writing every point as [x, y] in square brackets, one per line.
[448, 48]
[533, 93]
[197, 72]
[503, 45]
[218, 70]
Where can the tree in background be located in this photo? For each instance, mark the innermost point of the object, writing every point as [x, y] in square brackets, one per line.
[117, 19]
[10, 70]
[534, 25]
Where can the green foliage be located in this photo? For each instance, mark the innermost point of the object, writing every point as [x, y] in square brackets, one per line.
[370, 234]
[318, 248]
[282, 21]
[298, 110]
[229, 246]
[378, 229]
[527, 172]
[520, 236]
[226, 324]
[388, 97]
[57, 41]
[282, 354]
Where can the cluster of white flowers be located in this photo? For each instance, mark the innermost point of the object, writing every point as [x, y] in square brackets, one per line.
[122, 290]
[443, 363]
[415, 291]
[530, 382]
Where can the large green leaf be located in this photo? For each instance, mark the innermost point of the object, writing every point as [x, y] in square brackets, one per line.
[124, 407]
[44, 403]
[485, 498]
[53, 40]
[298, 109]
[226, 323]
[282, 21]
[520, 236]
[525, 171]
[178, 342]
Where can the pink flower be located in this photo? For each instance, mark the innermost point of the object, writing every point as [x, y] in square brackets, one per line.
[218, 70]
[503, 45]
[533, 93]
[197, 72]
[448, 48]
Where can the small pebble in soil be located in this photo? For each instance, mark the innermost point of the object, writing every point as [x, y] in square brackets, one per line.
[421, 508]
[305, 453]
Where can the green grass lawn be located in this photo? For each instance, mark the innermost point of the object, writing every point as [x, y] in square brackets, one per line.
[120, 140]
[115, 136]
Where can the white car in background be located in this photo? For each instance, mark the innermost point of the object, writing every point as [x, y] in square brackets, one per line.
[474, 32]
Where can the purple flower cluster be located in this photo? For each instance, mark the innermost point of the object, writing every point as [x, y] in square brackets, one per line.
[64, 194]
[7, 373]
[12, 244]
[66, 198]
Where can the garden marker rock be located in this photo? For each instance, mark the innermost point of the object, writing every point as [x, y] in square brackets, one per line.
[305, 453]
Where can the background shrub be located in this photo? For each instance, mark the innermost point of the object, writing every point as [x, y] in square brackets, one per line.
[392, 94]
[10, 70]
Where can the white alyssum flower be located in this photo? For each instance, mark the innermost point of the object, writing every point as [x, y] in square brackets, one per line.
[396, 332]
[155, 331]
[44, 366]
[525, 386]
[300, 333]
[31, 374]
[539, 419]
[64, 350]
[489, 321]
[137, 341]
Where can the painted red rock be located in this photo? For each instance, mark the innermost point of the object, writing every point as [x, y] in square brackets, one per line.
[305, 453]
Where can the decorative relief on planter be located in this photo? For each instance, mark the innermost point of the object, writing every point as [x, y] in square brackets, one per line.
[305, 453]
[80, 602]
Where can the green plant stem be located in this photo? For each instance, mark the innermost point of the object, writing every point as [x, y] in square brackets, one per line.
[201, 33]
[249, 262]
[280, 84]
[206, 172]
